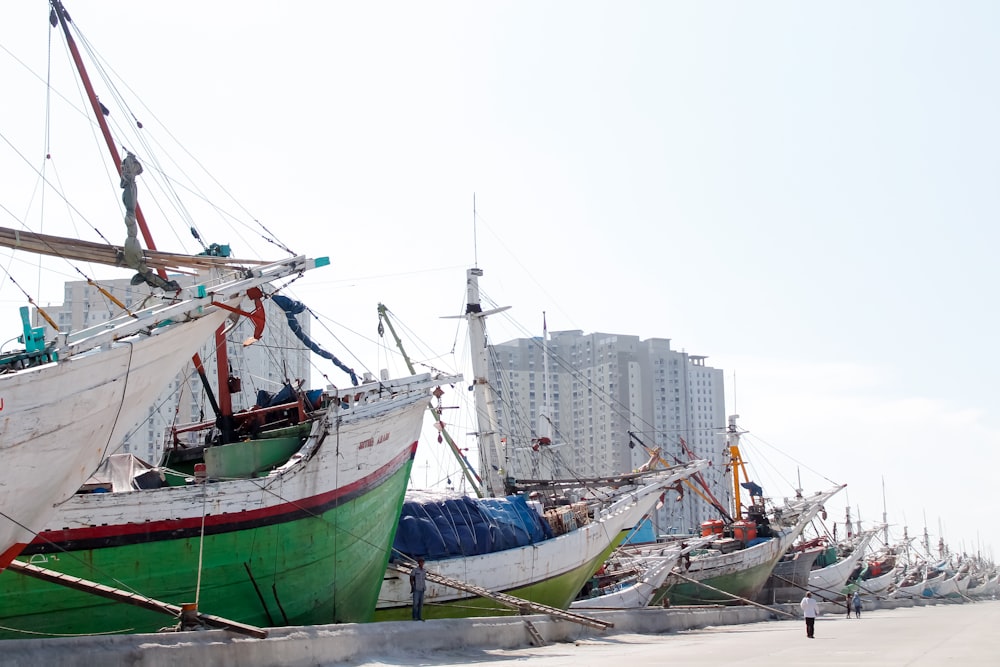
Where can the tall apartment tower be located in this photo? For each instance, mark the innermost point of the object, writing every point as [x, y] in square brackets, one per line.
[600, 388]
[265, 365]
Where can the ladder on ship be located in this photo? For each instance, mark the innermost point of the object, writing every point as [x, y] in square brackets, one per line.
[524, 606]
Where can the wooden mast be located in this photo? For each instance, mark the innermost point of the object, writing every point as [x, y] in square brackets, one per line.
[224, 408]
[63, 17]
[475, 482]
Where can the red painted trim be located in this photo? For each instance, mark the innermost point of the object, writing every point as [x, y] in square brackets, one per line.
[7, 556]
[226, 306]
[214, 521]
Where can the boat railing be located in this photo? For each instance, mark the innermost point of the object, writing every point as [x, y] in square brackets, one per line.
[377, 391]
[174, 309]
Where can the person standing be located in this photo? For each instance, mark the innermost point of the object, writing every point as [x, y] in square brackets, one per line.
[856, 601]
[847, 603]
[418, 582]
[809, 611]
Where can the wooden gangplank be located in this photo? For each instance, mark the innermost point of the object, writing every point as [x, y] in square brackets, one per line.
[735, 597]
[127, 597]
[509, 600]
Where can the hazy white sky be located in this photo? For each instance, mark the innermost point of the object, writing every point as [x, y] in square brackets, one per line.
[803, 192]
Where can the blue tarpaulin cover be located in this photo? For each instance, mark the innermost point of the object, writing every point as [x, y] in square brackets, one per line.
[436, 528]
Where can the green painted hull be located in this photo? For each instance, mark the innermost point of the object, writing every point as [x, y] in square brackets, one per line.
[743, 574]
[745, 584]
[307, 570]
[558, 591]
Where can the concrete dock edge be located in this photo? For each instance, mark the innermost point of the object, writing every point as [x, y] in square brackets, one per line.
[308, 646]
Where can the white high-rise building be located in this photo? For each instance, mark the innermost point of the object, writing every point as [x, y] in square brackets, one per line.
[265, 365]
[611, 399]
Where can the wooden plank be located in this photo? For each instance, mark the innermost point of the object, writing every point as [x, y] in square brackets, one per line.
[509, 600]
[735, 597]
[127, 597]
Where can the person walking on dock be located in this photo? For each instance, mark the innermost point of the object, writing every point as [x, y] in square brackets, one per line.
[856, 601]
[809, 611]
[418, 582]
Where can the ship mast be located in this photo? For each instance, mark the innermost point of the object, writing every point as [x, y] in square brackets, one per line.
[224, 408]
[736, 461]
[885, 516]
[545, 430]
[927, 538]
[470, 475]
[492, 453]
[59, 13]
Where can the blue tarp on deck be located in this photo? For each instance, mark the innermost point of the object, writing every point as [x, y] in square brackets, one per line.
[443, 528]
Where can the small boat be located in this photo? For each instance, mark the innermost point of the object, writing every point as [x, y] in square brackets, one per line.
[956, 582]
[646, 574]
[932, 583]
[790, 578]
[964, 580]
[877, 577]
[828, 582]
[920, 582]
[986, 585]
[635, 592]
[878, 574]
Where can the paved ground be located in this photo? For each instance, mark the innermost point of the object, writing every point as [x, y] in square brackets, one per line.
[944, 634]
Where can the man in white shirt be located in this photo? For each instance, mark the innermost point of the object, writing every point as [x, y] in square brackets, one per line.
[809, 611]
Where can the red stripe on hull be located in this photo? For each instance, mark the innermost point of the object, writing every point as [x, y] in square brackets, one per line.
[220, 521]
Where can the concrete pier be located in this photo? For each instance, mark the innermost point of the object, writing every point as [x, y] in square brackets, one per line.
[905, 632]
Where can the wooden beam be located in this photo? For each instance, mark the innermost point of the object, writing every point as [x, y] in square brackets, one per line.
[112, 255]
[127, 597]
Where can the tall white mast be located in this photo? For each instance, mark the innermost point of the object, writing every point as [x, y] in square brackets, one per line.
[544, 430]
[544, 421]
[492, 454]
[885, 516]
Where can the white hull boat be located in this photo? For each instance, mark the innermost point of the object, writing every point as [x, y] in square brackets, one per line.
[877, 586]
[636, 592]
[551, 572]
[60, 419]
[827, 583]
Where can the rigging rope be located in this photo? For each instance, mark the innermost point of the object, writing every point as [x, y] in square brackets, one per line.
[293, 308]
